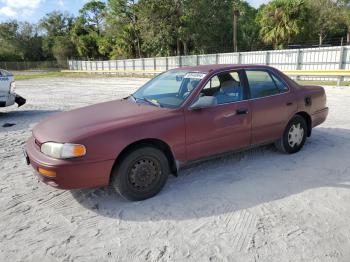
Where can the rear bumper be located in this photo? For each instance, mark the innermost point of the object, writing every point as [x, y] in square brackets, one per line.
[319, 117]
[7, 100]
[69, 174]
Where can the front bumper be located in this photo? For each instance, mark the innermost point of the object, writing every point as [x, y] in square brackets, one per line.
[70, 174]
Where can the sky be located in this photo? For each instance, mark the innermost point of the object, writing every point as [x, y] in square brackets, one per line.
[34, 10]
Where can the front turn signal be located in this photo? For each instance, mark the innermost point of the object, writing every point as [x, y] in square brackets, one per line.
[47, 173]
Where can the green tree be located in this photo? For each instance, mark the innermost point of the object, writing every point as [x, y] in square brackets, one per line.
[56, 25]
[344, 8]
[85, 39]
[248, 28]
[8, 46]
[94, 13]
[281, 21]
[20, 41]
[324, 18]
[122, 31]
[88, 29]
[170, 27]
[144, 28]
[205, 26]
[29, 42]
[62, 49]
[158, 23]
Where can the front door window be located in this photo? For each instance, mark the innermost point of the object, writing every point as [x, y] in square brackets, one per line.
[225, 88]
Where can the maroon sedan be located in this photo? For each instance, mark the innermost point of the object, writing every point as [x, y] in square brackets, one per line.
[180, 116]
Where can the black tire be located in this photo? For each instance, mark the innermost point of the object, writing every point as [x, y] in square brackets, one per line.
[285, 144]
[141, 174]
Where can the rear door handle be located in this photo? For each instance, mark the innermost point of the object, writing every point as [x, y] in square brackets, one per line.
[289, 103]
[242, 111]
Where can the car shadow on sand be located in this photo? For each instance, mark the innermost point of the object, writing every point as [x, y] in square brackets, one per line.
[22, 119]
[237, 181]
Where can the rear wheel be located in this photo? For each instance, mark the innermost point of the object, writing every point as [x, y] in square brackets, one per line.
[141, 174]
[294, 136]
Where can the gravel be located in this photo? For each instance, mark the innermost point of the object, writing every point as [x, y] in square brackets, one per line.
[257, 205]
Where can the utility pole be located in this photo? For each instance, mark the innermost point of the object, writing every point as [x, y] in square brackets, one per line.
[235, 20]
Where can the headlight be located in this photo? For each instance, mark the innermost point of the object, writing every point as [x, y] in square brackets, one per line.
[63, 151]
[12, 87]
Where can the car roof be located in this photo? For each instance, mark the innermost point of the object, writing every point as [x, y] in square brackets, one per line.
[219, 67]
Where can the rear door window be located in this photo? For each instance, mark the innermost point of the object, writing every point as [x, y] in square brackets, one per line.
[261, 84]
[280, 85]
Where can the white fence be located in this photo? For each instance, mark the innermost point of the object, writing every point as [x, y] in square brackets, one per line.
[325, 58]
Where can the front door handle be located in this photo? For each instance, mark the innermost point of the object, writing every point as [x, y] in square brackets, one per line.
[242, 111]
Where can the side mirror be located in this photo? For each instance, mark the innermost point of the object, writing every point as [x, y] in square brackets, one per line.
[204, 102]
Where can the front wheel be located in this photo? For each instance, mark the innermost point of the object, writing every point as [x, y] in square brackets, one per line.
[141, 174]
[294, 136]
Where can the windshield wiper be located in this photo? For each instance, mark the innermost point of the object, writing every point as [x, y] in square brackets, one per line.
[152, 102]
[149, 101]
[133, 97]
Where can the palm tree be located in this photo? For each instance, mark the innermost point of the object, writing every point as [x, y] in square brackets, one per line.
[280, 21]
[235, 18]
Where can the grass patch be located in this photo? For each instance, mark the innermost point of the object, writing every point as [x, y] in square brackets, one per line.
[51, 74]
[35, 75]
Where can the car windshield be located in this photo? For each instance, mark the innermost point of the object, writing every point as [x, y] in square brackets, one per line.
[169, 89]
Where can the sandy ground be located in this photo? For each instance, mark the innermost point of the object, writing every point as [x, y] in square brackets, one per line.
[258, 205]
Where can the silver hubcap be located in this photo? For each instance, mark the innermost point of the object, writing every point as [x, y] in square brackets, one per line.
[295, 135]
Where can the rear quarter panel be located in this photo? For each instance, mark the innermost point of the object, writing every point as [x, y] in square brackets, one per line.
[313, 100]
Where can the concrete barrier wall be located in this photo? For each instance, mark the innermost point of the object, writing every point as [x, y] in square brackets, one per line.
[324, 58]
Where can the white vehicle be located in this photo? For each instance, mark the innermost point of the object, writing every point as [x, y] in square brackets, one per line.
[7, 90]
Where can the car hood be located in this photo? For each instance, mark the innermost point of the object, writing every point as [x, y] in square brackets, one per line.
[74, 125]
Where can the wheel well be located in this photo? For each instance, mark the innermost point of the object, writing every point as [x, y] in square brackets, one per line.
[307, 118]
[156, 143]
